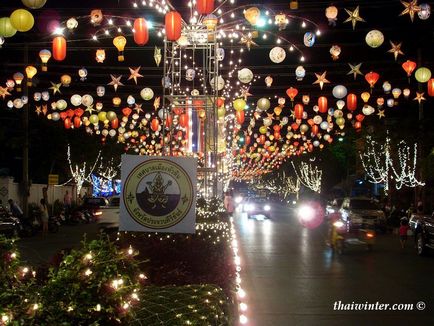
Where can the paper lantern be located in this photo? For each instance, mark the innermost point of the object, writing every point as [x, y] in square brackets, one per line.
[59, 48]
[245, 75]
[6, 28]
[424, 12]
[34, 4]
[298, 111]
[155, 124]
[409, 67]
[322, 104]
[365, 96]
[292, 93]
[252, 15]
[65, 80]
[147, 93]
[141, 34]
[173, 25]
[263, 104]
[340, 91]
[45, 55]
[119, 42]
[431, 87]
[300, 72]
[96, 17]
[331, 13]
[30, 72]
[100, 55]
[210, 21]
[423, 75]
[183, 120]
[277, 54]
[239, 104]
[396, 93]
[374, 38]
[309, 39]
[22, 20]
[352, 102]
[205, 7]
[372, 78]
[126, 111]
[240, 116]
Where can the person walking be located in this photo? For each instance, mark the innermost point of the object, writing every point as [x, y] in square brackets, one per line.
[403, 229]
[44, 216]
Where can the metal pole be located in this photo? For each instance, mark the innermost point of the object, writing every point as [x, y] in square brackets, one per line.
[25, 123]
[420, 191]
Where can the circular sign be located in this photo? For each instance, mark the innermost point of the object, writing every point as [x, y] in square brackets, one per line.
[158, 194]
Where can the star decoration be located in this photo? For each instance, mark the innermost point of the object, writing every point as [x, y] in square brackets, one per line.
[270, 116]
[321, 79]
[89, 109]
[55, 88]
[134, 74]
[292, 114]
[381, 114]
[396, 49]
[38, 110]
[354, 17]
[116, 82]
[138, 108]
[355, 70]
[4, 92]
[257, 115]
[247, 40]
[420, 97]
[44, 109]
[245, 93]
[157, 103]
[410, 8]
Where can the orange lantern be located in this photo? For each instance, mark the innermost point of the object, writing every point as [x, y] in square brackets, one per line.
[67, 123]
[372, 78]
[141, 34]
[240, 117]
[322, 104]
[115, 123]
[357, 125]
[155, 124]
[77, 122]
[126, 111]
[183, 120]
[409, 67]
[352, 102]
[298, 111]
[431, 87]
[173, 25]
[292, 93]
[315, 130]
[59, 48]
[205, 7]
[169, 120]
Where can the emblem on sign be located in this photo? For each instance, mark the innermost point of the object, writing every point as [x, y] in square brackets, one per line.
[158, 193]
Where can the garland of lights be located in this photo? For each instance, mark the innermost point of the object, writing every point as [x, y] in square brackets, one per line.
[309, 175]
[380, 167]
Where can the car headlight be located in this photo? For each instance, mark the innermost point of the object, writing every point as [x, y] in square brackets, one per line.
[267, 208]
[238, 199]
[250, 207]
[306, 212]
[338, 224]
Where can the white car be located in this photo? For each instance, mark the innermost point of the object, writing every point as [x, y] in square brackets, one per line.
[363, 211]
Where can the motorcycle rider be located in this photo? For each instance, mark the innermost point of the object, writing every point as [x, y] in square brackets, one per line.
[15, 209]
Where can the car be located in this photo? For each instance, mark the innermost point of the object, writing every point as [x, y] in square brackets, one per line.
[257, 207]
[423, 230]
[363, 211]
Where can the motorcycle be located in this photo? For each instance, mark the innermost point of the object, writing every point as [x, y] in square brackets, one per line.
[344, 235]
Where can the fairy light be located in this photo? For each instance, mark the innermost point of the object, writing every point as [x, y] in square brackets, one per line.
[309, 175]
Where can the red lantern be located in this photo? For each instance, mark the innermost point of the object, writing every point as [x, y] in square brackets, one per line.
[431, 87]
[63, 115]
[352, 102]
[292, 93]
[67, 123]
[177, 111]
[220, 102]
[262, 139]
[360, 117]
[78, 112]
[276, 135]
[276, 128]
[59, 48]
[155, 124]
[322, 104]
[409, 67]
[173, 25]
[70, 113]
[115, 123]
[240, 117]
[298, 111]
[315, 130]
[126, 111]
[357, 125]
[169, 120]
[372, 78]
[205, 7]
[183, 120]
[141, 34]
[77, 122]
[294, 126]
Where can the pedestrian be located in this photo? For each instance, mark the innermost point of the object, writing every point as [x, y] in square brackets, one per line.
[67, 201]
[44, 216]
[419, 207]
[229, 202]
[403, 229]
[15, 209]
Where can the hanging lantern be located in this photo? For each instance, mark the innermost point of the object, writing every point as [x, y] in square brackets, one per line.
[409, 67]
[300, 72]
[422, 74]
[357, 125]
[119, 42]
[126, 111]
[305, 99]
[365, 96]
[374, 38]
[59, 48]
[34, 4]
[322, 104]
[239, 104]
[277, 110]
[268, 81]
[380, 102]
[116, 101]
[96, 17]
[141, 34]
[240, 116]
[339, 91]
[424, 12]
[100, 55]
[396, 92]
[183, 120]
[298, 111]
[252, 15]
[332, 15]
[292, 93]
[387, 87]
[406, 92]
[67, 123]
[18, 78]
[22, 20]
[335, 52]
[431, 87]
[45, 55]
[65, 80]
[173, 25]
[205, 7]
[77, 122]
[6, 28]
[210, 21]
[372, 78]
[155, 124]
[30, 72]
[293, 4]
[352, 102]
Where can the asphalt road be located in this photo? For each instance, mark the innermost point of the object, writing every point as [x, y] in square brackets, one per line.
[291, 276]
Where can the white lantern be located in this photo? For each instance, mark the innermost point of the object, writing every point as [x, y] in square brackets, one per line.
[147, 93]
[245, 75]
[277, 54]
[100, 91]
[374, 38]
[340, 91]
[300, 72]
[75, 100]
[87, 100]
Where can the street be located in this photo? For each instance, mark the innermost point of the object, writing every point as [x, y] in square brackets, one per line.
[292, 278]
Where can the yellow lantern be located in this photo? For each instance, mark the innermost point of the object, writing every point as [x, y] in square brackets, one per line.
[22, 20]
[94, 119]
[210, 21]
[263, 130]
[252, 14]
[30, 72]
[6, 28]
[116, 101]
[45, 55]
[65, 80]
[293, 5]
[396, 92]
[365, 96]
[102, 116]
[278, 110]
[239, 104]
[119, 42]
[34, 4]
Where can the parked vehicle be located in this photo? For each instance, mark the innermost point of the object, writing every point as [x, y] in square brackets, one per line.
[423, 230]
[362, 211]
[108, 216]
[9, 225]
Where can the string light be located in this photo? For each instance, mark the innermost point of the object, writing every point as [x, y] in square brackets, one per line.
[309, 175]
